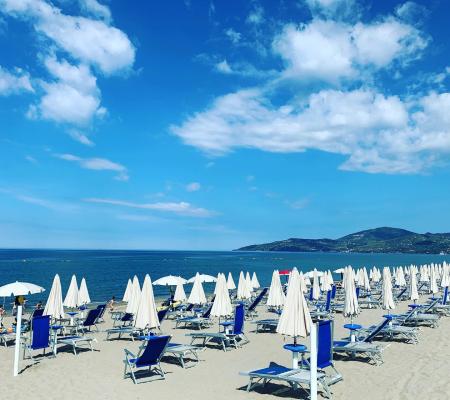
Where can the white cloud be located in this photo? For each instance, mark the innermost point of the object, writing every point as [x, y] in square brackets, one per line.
[193, 187]
[336, 9]
[378, 133]
[181, 208]
[256, 16]
[31, 159]
[90, 41]
[331, 51]
[224, 67]
[244, 69]
[98, 164]
[14, 82]
[412, 12]
[94, 8]
[234, 36]
[81, 138]
[298, 204]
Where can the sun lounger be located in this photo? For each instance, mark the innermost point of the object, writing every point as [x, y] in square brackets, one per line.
[184, 352]
[76, 342]
[393, 331]
[235, 338]
[149, 357]
[251, 310]
[266, 325]
[419, 316]
[200, 322]
[89, 322]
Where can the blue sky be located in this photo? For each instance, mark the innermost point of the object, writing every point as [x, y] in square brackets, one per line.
[216, 124]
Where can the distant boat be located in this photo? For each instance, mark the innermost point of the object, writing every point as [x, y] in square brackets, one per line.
[442, 253]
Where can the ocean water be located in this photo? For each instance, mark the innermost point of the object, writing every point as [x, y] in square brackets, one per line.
[107, 272]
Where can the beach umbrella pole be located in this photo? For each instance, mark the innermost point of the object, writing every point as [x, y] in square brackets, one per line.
[313, 362]
[18, 329]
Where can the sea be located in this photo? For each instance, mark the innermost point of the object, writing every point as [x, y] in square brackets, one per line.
[107, 271]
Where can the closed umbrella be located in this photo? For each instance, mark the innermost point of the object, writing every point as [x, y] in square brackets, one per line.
[133, 302]
[19, 289]
[146, 314]
[127, 294]
[54, 306]
[255, 282]
[83, 294]
[71, 299]
[387, 298]
[243, 291]
[445, 281]
[230, 282]
[366, 280]
[180, 294]
[433, 282]
[276, 297]
[315, 286]
[351, 306]
[222, 302]
[413, 293]
[197, 295]
[248, 281]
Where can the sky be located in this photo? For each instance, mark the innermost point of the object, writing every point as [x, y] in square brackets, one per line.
[210, 125]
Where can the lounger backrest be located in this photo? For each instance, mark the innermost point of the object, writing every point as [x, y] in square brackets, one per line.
[311, 294]
[153, 351]
[38, 312]
[41, 332]
[127, 317]
[445, 296]
[376, 330]
[401, 294]
[207, 313]
[256, 301]
[92, 316]
[333, 291]
[102, 308]
[328, 303]
[189, 307]
[431, 305]
[238, 320]
[324, 343]
[358, 289]
[162, 314]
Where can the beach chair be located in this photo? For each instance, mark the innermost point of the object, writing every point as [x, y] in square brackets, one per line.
[363, 346]
[419, 316]
[235, 338]
[442, 307]
[200, 322]
[323, 310]
[126, 319]
[40, 337]
[76, 342]
[6, 337]
[184, 353]
[301, 377]
[401, 294]
[90, 321]
[102, 308]
[161, 315]
[251, 310]
[266, 325]
[393, 331]
[149, 357]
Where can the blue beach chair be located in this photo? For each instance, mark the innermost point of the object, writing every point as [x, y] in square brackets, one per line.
[149, 357]
[90, 321]
[40, 336]
[196, 322]
[251, 311]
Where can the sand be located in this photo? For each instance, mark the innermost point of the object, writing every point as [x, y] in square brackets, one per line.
[409, 371]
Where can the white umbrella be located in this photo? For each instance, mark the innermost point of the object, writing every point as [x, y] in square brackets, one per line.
[19, 289]
[413, 293]
[133, 302]
[248, 281]
[366, 281]
[170, 280]
[388, 300]
[222, 303]
[276, 297]
[230, 282]
[146, 315]
[243, 292]
[295, 320]
[330, 278]
[255, 282]
[445, 281]
[433, 283]
[127, 294]
[71, 299]
[351, 306]
[203, 278]
[197, 295]
[54, 306]
[315, 286]
[180, 294]
[83, 294]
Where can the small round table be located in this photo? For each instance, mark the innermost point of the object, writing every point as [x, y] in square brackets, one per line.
[296, 350]
[227, 325]
[353, 328]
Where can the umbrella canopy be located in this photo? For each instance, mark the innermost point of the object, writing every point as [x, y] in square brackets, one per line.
[255, 282]
[197, 295]
[180, 294]
[127, 294]
[365, 280]
[433, 280]
[203, 278]
[445, 280]
[71, 299]
[351, 306]
[230, 282]
[413, 293]
[83, 294]
[146, 315]
[276, 296]
[248, 281]
[133, 302]
[54, 306]
[20, 289]
[386, 292]
[170, 280]
[315, 286]
[222, 303]
[243, 292]
[295, 319]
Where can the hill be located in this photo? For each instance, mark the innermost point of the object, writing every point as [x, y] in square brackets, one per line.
[378, 240]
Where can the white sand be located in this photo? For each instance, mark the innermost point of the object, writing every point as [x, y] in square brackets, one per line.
[409, 371]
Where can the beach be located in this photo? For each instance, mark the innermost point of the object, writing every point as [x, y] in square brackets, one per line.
[408, 371]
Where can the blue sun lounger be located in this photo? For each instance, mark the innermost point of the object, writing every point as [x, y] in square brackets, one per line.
[149, 357]
[235, 338]
[301, 377]
[196, 322]
[40, 336]
[251, 310]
